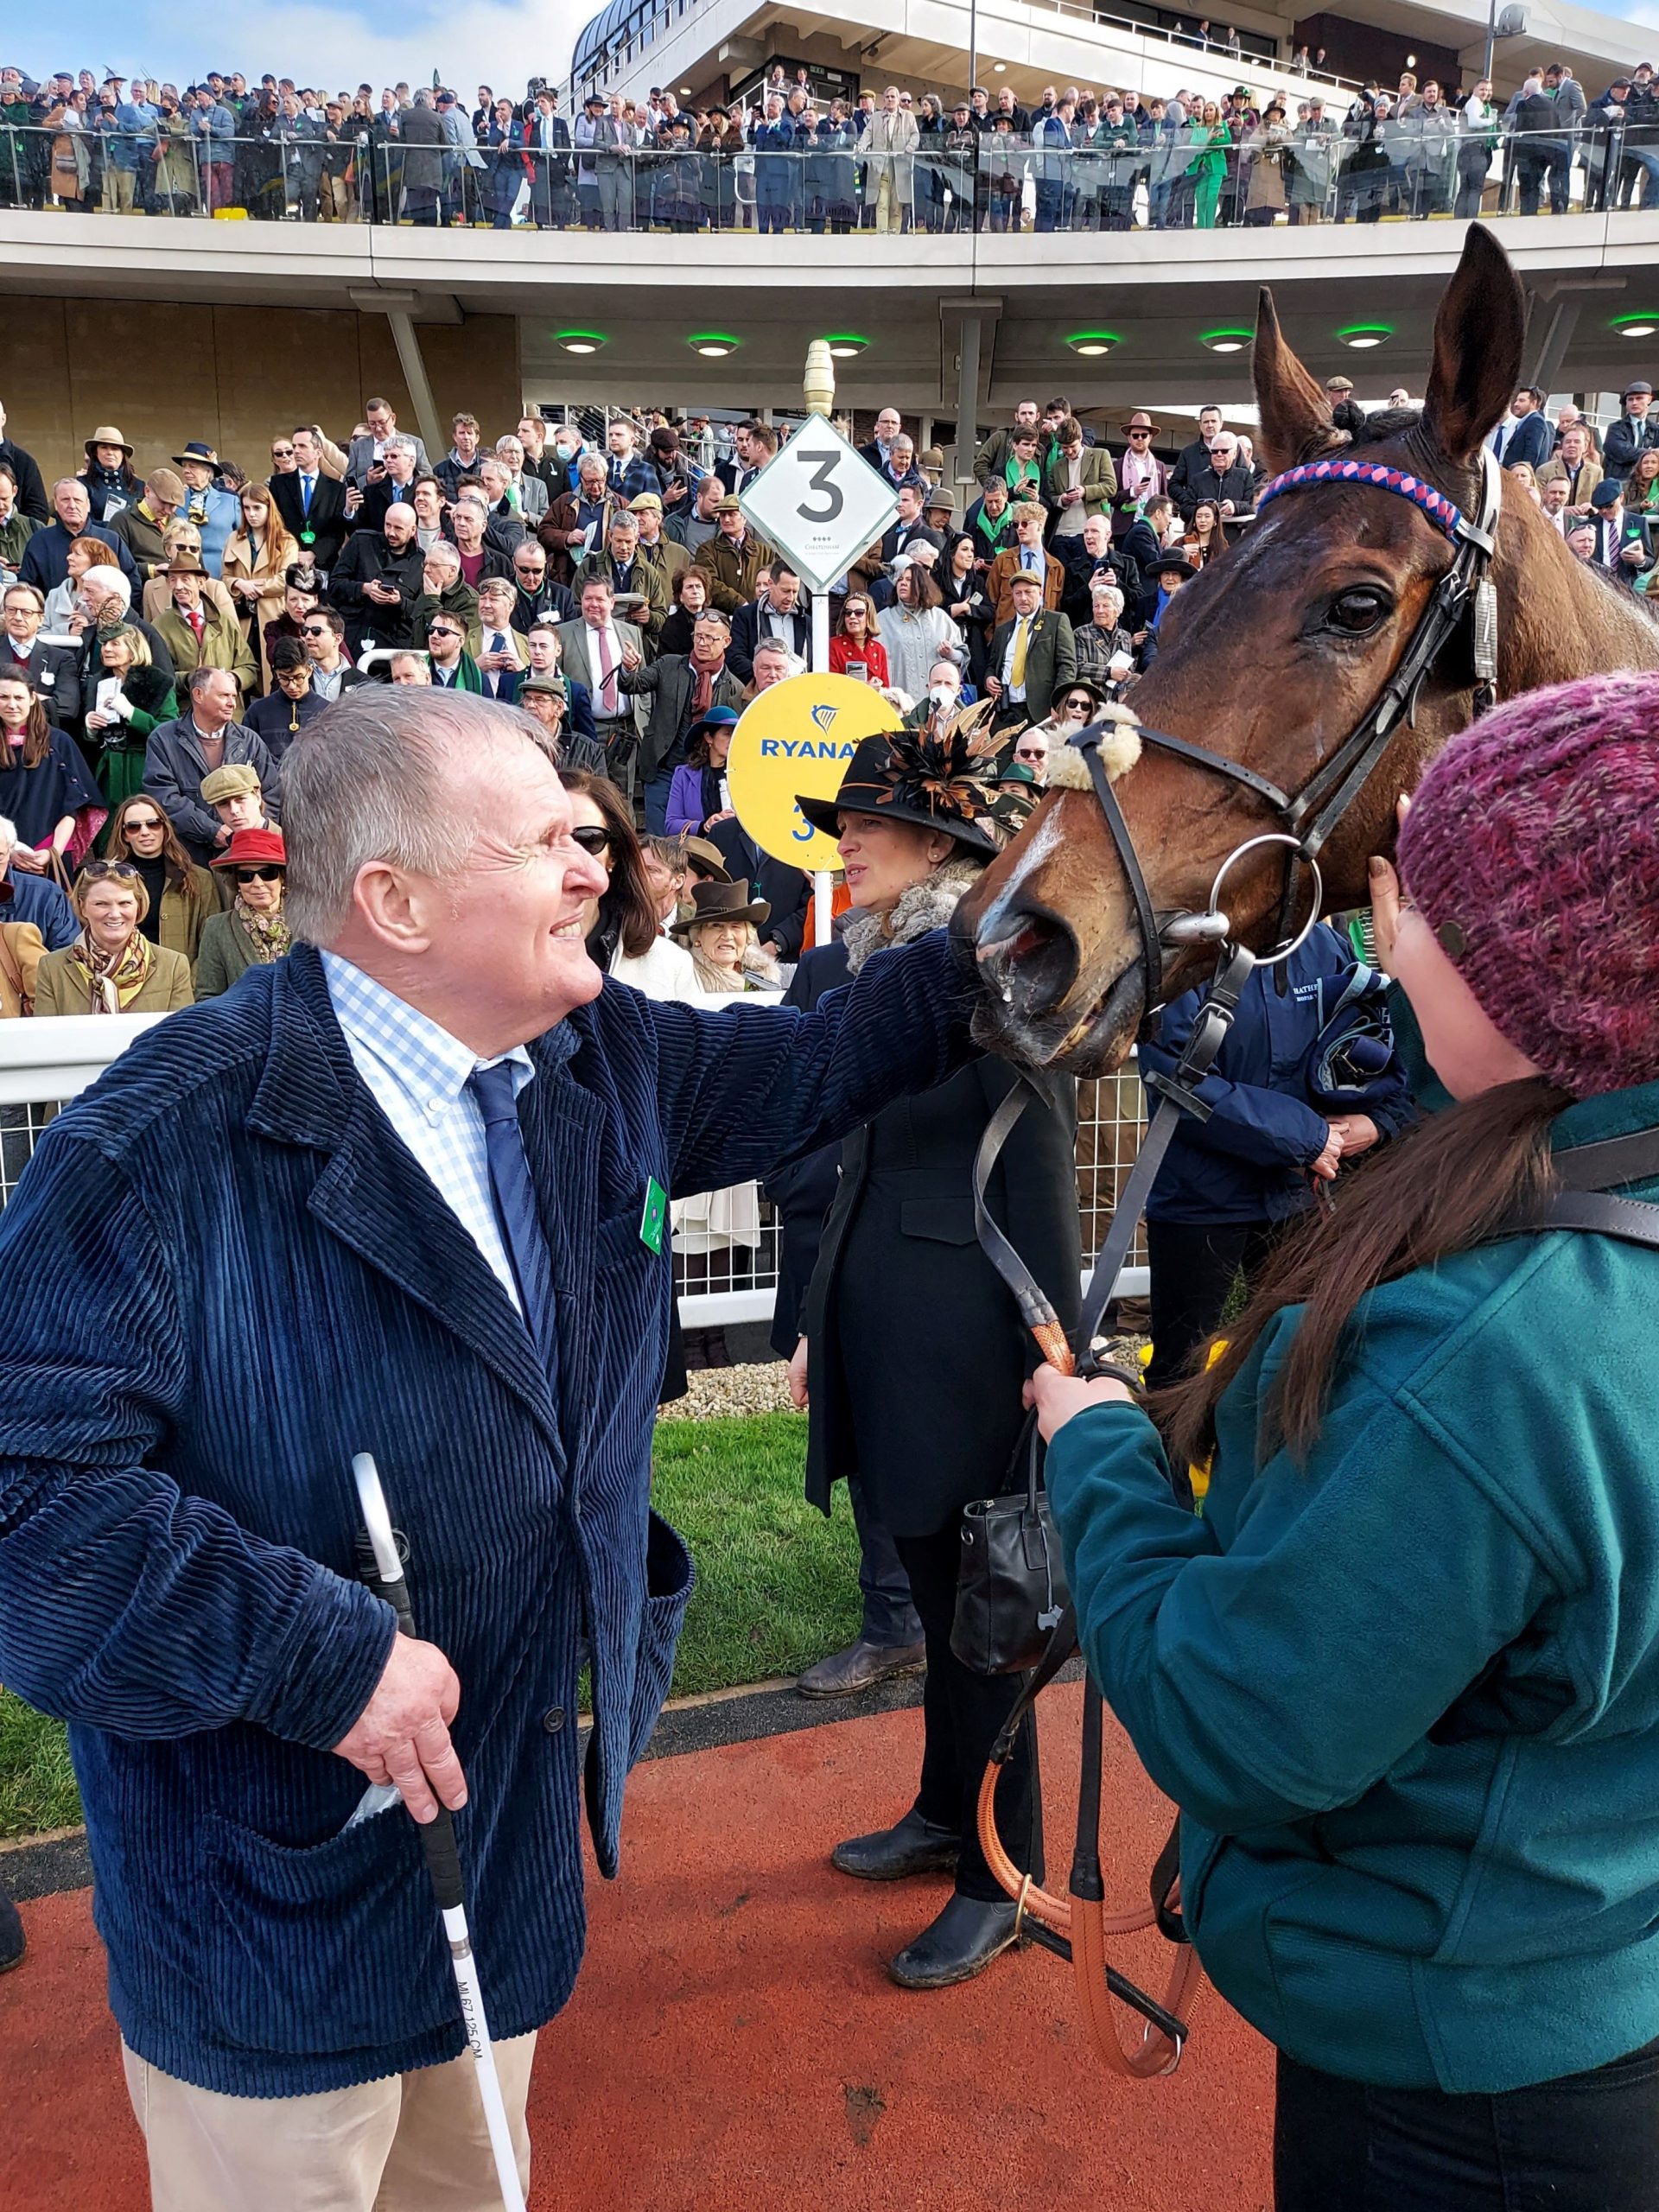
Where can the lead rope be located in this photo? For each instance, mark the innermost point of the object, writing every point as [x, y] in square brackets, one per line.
[1076, 1927]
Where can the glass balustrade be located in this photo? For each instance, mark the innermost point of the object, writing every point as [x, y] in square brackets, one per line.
[1418, 169]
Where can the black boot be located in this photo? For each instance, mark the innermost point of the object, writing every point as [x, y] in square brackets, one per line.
[861, 1667]
[914, 1846]
[11, 1935]
[962, 1943]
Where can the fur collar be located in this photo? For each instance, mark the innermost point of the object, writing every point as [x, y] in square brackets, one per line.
[926, 906]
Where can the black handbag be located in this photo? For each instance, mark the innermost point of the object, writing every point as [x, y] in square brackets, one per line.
[1011, 1587]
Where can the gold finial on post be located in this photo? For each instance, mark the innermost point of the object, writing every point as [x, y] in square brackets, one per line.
[819, 382]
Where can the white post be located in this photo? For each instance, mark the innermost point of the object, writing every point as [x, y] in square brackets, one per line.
[821, 893]
[818, 386]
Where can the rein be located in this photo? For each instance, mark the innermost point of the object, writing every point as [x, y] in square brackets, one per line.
[1310, 816]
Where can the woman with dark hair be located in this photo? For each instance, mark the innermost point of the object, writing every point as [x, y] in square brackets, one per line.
[855, 639]
[1206, 535]
[697, 796]
[45, 789]
[1402, 1678]
[917, 630]
[912, 1351]
[689, 591]
[623, 926]
[966, 600]
[180, 894]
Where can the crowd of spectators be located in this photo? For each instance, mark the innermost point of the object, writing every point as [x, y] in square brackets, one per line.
[171, 621]
[783, 158]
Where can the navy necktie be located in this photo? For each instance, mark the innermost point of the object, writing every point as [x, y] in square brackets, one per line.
[515, 1206]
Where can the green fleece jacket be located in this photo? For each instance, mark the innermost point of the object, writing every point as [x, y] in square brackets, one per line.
[1406, 1696]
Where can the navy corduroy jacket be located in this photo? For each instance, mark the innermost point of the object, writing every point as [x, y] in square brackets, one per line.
[221, 1275]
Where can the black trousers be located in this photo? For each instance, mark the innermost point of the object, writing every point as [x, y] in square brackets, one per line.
[962, 1713]
[1193, 1265]
[1588, 2143]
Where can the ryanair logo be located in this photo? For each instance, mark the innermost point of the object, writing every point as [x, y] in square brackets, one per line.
[825, 716]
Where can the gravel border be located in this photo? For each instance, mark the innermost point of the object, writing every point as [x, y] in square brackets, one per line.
[716, 1391]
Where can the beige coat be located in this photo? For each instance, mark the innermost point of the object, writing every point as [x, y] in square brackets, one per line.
[889, 149]
[276, 554]
[25, 948]
[1590, 475]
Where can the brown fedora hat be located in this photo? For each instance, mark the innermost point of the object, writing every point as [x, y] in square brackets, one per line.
[722, 902]
[106, 434]
[1140, 420]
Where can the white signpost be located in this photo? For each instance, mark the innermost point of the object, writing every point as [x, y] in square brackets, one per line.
[820, 503]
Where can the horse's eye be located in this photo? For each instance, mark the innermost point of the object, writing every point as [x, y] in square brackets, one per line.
[1360, 610]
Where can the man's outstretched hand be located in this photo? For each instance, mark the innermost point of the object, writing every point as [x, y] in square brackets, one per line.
[402, 1735]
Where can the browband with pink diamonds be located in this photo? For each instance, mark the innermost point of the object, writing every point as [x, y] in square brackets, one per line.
[1443, 514]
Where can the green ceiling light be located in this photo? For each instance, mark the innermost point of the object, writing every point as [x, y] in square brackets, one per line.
[845, 345]
[714, 345]
[1229, 339]
[1362, 336]
[1636, 326]
[579, 341]
[1092, 344]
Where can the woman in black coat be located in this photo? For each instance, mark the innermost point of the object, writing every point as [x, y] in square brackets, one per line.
[914, 1354]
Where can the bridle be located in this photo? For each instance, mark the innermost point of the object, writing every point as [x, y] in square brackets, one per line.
[1077, 1926]
[1309, 818]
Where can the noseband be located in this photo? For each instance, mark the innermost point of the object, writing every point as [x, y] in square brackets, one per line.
[1310, 816]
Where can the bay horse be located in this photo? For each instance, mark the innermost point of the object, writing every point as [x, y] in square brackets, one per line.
[1269, 661]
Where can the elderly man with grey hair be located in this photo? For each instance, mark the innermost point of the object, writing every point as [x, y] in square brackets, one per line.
[1222, 477]
[528, 494]
[444, 589]
[428, 1158]
[395, 484]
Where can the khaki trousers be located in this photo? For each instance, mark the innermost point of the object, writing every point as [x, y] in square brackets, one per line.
[412, 2143]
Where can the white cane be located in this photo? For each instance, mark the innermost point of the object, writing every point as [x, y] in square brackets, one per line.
[443, 1860]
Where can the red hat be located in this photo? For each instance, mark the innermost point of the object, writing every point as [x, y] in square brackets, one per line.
[250, 847]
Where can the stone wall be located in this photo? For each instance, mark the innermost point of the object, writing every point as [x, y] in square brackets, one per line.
[164, 373]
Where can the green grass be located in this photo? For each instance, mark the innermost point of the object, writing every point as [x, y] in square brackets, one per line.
[778, 1584]
[777, 1588]
[37, 1788]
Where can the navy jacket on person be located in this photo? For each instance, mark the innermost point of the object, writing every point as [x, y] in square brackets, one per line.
[46, 557]
[36, 899]
[1249, 1161]
[221, 1276]
[804, 1190]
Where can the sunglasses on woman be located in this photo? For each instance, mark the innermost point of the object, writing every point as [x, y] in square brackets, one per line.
[269, 874]
[100, 871]
[142, 821]
[593, 837]
[282, 452]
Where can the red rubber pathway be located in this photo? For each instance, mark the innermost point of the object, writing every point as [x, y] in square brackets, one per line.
[736, 2046]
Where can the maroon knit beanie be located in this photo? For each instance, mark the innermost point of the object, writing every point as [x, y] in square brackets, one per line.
[1532, 851]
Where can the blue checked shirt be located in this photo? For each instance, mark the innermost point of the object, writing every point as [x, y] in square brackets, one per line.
[417, 1073]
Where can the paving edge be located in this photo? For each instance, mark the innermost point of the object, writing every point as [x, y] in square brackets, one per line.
[42, 1867]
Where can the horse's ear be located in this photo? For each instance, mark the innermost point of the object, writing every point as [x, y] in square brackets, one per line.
[1295, 413]
[1479, 331]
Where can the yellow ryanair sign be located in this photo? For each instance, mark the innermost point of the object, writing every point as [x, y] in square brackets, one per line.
[798, 737]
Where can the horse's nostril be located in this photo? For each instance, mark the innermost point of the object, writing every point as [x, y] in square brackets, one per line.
[1032, 962]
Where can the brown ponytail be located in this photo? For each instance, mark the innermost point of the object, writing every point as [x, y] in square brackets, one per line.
[1447, 1185]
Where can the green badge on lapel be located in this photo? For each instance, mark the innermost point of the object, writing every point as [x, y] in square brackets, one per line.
[654, 1220]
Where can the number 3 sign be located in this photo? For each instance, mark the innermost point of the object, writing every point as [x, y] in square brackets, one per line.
[820, 503]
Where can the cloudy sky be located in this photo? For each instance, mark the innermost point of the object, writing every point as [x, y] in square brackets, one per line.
[465, 40]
